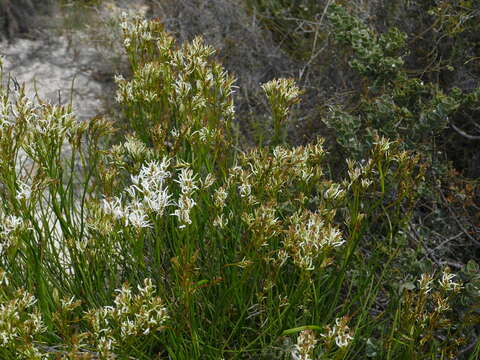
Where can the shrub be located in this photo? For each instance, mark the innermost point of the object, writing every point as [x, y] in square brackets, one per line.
[174, 242]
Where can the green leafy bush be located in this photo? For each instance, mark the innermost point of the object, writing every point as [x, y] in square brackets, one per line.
[393, 103]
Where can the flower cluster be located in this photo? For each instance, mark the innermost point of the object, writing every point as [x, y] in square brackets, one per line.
[132, 214]
[38, 124]
[310, 237]
[20, 322]
[132, 316]
[305, 346]
[188, 185]
[24, 192]
[136, 27]
[6, 118]
[282, 94]
[148, 192]
[136, 148]
[150, 183]
[447, 283]
[286, 169]
[427, 309]
[194, 93]
[52, 120]
[9, 226]
[425, 283]
[339, 333]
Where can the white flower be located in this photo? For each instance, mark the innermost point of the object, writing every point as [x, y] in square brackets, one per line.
[135, 147]
[447, 282]
[425, 283]
[204, 134]
[208, 181]
[138, 314]
[333, 192]
[175, 133]
[9, 224]
[343, 339]
[25, 191]
[366, 183]
[185, 204]
[442, 305]
[340, 332]
[148, 191]
[151, 183]
[182, 88]
[52, 120]
[118, 78]
[220, 221]
[245, 189]
[281, 93]
[219, 197]
[282, 88]
[282, 256]
[113, 207]
[305, 346]
[333, 237]
[158, 201]
[187, 181]
[152, 175]
[136, 216]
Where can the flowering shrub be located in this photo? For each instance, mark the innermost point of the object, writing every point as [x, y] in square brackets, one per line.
[230, 250]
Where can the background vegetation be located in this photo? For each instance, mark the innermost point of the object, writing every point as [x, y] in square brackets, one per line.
[332, 213]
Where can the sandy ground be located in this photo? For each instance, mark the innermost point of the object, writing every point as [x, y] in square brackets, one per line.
[53, 71]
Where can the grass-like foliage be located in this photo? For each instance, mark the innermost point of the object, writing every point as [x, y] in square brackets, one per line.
[170, 241]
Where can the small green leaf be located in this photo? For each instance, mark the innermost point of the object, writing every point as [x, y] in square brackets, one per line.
[301, 328]
[472, 267]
